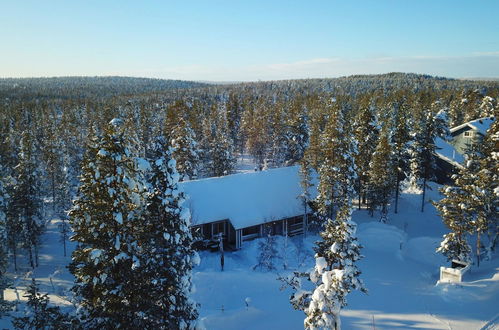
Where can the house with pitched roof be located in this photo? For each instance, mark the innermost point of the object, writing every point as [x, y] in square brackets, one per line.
[469, 133]
[244, 206]
[450, 153]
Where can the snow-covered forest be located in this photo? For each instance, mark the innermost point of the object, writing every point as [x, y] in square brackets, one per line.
[95, 228]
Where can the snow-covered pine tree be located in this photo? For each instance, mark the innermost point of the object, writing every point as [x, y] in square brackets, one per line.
[488, 106]
[381, 176]
[235, 109]
[366, 133]
[306, 184]
[254, 129]
[454, 210]
[470, 102]
[336, 273]
[167, 257]
[400, 139]
[220, 147]
[106, 220]
[4, 306]
[26, 202]
[63, 204]
[297, 133]
[337, 170]
[488, 187]
[466, 208]
[39, 315]
[314, 150]
[52, 155]
[173, 112]
[185, 150]
[277, 134]
[429, 124]
[267, 251]
[456, 113]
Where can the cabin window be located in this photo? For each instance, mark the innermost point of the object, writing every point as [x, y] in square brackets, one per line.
[468, 134]
[218, 227]
[295, 226]
[251, 231]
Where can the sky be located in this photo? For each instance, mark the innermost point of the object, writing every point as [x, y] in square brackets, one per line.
[248, 40]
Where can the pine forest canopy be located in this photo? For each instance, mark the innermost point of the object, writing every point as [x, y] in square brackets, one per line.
[51, 88]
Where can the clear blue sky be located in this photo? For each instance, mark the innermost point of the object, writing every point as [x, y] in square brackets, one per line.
[248, 39]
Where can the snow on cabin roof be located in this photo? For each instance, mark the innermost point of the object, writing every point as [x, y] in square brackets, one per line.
[447, 152]
[481, 125]
[246, 199]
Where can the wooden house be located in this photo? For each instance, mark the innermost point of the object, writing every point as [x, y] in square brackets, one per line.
[450, 153]
[469, 133]
[245, 206]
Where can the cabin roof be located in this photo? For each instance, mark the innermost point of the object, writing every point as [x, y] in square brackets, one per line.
[447, 152]
[246, 199]
[481, 125]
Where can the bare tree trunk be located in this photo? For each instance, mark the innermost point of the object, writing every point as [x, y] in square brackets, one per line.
[360, 191]
[64, 234]
[397, 194]
[478, 248]
[31, 262]
[424, 194]
[53, 190]
[35, 247]
[14, 252]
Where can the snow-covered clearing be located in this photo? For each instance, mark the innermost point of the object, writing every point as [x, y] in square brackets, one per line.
[400, 270]
[245, 163]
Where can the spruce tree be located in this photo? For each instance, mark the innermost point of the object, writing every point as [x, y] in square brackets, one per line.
[488, 187]
[268, 252]
[167, 257]
[429, 124]
[104, 219]
[400, 140]
[185, 150]
[235, 109]
[296, 135]
[456, 216]
[335, 274]
[470, 206]
[220, 151]
[314, 151]
[39, 314]
[254, 127]
[488, 106]
[26, 203]
[278, 143]
[381, 176]
[337, 170]
[366, 133]
[306, 184]
[4, 306]
[470, 102]
[456, 112]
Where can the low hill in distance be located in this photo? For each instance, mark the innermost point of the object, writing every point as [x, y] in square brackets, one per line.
[87, 87]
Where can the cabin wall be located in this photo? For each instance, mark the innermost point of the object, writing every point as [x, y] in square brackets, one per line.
[462, 139]
[234, 239]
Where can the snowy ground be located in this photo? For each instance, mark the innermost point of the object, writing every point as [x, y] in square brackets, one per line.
[400, 269]
[245, 163]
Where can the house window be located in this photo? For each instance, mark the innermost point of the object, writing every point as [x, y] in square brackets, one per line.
[468, 134]
[218, 227]
[250, 232]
